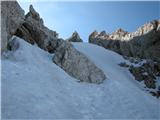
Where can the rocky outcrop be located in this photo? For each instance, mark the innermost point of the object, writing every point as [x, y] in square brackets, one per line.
[30, 27]
[75, 38]
[144, 43]
[142, 74]
[12, 17]
[77, 64]
[34, 31]
[146, 70]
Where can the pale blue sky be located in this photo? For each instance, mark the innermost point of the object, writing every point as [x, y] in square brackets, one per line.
[85, 17]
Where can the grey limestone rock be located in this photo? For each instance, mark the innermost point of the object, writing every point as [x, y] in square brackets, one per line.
[77, 64]
[12, 17]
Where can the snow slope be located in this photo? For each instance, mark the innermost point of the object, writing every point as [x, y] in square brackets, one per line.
[34, 87]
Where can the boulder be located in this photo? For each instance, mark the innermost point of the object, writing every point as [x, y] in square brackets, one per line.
[13, 44]
[12, 17]
[77, 64]
[75, 38]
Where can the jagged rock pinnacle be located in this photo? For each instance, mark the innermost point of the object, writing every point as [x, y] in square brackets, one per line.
[75, 37]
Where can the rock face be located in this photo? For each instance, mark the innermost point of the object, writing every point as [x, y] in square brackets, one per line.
[12, 17]
[144, 43]
[34, 31]
[76, 64]
[30, 27]
[75, 38]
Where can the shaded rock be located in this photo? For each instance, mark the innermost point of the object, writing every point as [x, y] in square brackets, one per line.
[149, 82]
[137, 73]
[26, 31]
[13, 44]
[92, 37]
[54, 44]
[33, 30]
[156, 94]
[123, 64]
[75, 38]
[77, 64]
[151, 68]
[147, 72]
[12, 16]
[103, 33]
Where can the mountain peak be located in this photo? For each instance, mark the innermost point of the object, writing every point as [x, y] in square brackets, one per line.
[31, 9]
[120, 32]
[103, 33]
[34, 15]
[75, 37]
[153, 25]
[75, 33]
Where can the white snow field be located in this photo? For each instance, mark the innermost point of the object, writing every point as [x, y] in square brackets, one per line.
[33, 87]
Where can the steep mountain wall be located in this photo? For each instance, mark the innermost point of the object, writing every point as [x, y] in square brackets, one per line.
[144, 43]
[12, 17]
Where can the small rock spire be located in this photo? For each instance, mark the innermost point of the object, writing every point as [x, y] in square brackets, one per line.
[31, 9]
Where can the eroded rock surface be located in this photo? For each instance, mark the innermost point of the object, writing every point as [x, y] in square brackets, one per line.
[33, 30]
[12, 17]
[77, 64]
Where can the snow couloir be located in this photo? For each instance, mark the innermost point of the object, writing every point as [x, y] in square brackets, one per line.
[33, 87]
